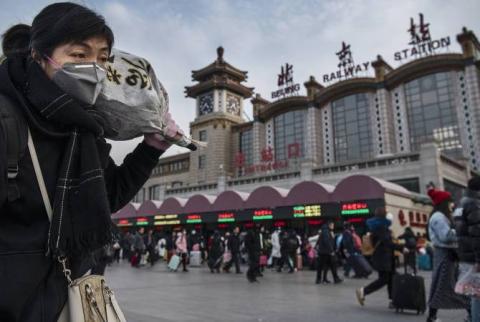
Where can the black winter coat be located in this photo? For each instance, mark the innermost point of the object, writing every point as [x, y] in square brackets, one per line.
[252, 243]
[32, 287]
[234, 244]
[326, 242]
[383, 259]
[468, 228]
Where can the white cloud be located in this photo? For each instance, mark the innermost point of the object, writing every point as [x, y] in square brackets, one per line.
[259, 36]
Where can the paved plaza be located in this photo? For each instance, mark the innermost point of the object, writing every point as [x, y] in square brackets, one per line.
[154, 294]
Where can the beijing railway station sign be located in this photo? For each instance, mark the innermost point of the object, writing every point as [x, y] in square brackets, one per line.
[285, 83]
[346, 67]
[421, 41]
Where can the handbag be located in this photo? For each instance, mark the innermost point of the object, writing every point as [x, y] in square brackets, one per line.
[89, 297]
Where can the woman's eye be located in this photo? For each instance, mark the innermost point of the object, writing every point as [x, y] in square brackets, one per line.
[79, 55]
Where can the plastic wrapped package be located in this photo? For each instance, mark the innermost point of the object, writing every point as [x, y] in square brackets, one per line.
[132, 101]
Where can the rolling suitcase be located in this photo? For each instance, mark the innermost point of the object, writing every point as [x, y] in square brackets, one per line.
[195, 258]
[360, 265]
[299, 262]
[408, 293]
[174, 263]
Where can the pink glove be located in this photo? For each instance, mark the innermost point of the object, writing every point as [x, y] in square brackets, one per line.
[157, 140]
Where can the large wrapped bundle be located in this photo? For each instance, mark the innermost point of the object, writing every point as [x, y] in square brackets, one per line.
[132, 101]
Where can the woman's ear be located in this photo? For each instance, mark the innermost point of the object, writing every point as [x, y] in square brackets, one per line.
[36, 56]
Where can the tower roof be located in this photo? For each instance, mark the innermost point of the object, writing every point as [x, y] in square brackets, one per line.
[219, 67]
[219, 74]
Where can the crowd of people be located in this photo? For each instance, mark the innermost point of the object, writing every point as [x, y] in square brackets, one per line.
[449, 249]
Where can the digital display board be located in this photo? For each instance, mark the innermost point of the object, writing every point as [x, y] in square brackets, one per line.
[226, 217]
[307, 211]
[194, 219]
[355, 208]
[262, 214]
[124, 223]
[162, 220]
[142, 221]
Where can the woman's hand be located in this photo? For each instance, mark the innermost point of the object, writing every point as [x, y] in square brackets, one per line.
[158, 141]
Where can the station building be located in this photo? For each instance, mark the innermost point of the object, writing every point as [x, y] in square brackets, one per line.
[405, 126]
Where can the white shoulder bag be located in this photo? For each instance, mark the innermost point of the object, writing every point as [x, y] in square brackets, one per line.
[89, 297]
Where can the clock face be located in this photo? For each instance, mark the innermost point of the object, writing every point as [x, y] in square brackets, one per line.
[233, 104]
[206, 104]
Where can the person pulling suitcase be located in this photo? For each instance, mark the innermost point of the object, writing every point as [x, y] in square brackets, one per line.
[383, 259]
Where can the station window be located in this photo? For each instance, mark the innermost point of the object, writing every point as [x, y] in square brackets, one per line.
[351, 128]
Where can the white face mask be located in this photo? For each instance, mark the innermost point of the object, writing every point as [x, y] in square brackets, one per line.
[83, 81]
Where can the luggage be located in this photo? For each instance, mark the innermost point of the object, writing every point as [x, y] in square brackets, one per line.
[263, 260]
[174, 263]
[195, 258]
[424, 262]
[134, 260]
[360, 265]
[227, 257]
[299, 262]
[409, 293]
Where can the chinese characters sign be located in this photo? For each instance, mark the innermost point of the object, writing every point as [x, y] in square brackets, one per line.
[194, 219]
[421, 41]
[346, 66]
[264, 214]
[355, 208]
[285, 82]
[307, 211]
[226, 217]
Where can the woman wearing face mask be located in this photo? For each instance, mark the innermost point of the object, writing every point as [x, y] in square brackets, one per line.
[445, 259]
[51, 77]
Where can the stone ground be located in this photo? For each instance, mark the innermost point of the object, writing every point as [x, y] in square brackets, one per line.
[154, 294]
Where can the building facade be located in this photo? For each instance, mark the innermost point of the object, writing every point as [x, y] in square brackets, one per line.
[411, 125]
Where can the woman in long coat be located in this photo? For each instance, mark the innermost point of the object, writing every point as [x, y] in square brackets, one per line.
[445, 259]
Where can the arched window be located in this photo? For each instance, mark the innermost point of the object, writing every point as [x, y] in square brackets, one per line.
[289, 135]
[351, 128]
[432, 114]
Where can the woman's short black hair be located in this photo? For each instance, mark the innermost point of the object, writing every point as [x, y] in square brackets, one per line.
[57, 24]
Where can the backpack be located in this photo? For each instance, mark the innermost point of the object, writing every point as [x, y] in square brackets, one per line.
[15, 131]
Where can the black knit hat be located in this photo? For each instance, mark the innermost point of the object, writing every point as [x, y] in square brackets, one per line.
[474, 183]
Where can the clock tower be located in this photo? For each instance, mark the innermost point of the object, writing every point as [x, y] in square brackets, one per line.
[219, 95]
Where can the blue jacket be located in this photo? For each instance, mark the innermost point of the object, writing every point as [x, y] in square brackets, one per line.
[441, 232]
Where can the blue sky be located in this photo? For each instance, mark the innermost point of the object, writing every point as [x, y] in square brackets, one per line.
[178, 36]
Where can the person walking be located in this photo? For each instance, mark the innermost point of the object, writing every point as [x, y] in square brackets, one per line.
[383, 260]
[326, 255]
[276, 254]
[215, 254]
[138, 247]
[467, 227]
[253, 247]
[234, 246]
[170, 245]
[445, 257]
[350, 247]
[285, 250]
[182, 248]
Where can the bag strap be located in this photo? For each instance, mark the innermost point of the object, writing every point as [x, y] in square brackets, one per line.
[15, 133]
[40, 180]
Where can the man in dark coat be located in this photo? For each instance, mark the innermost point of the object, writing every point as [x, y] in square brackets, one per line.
[383, 259]
[234, 246]
[253, 247]
[285, 250]
[467, 226]
[326, 255]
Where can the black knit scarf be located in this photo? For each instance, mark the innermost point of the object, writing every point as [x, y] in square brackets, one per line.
[81, 214]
